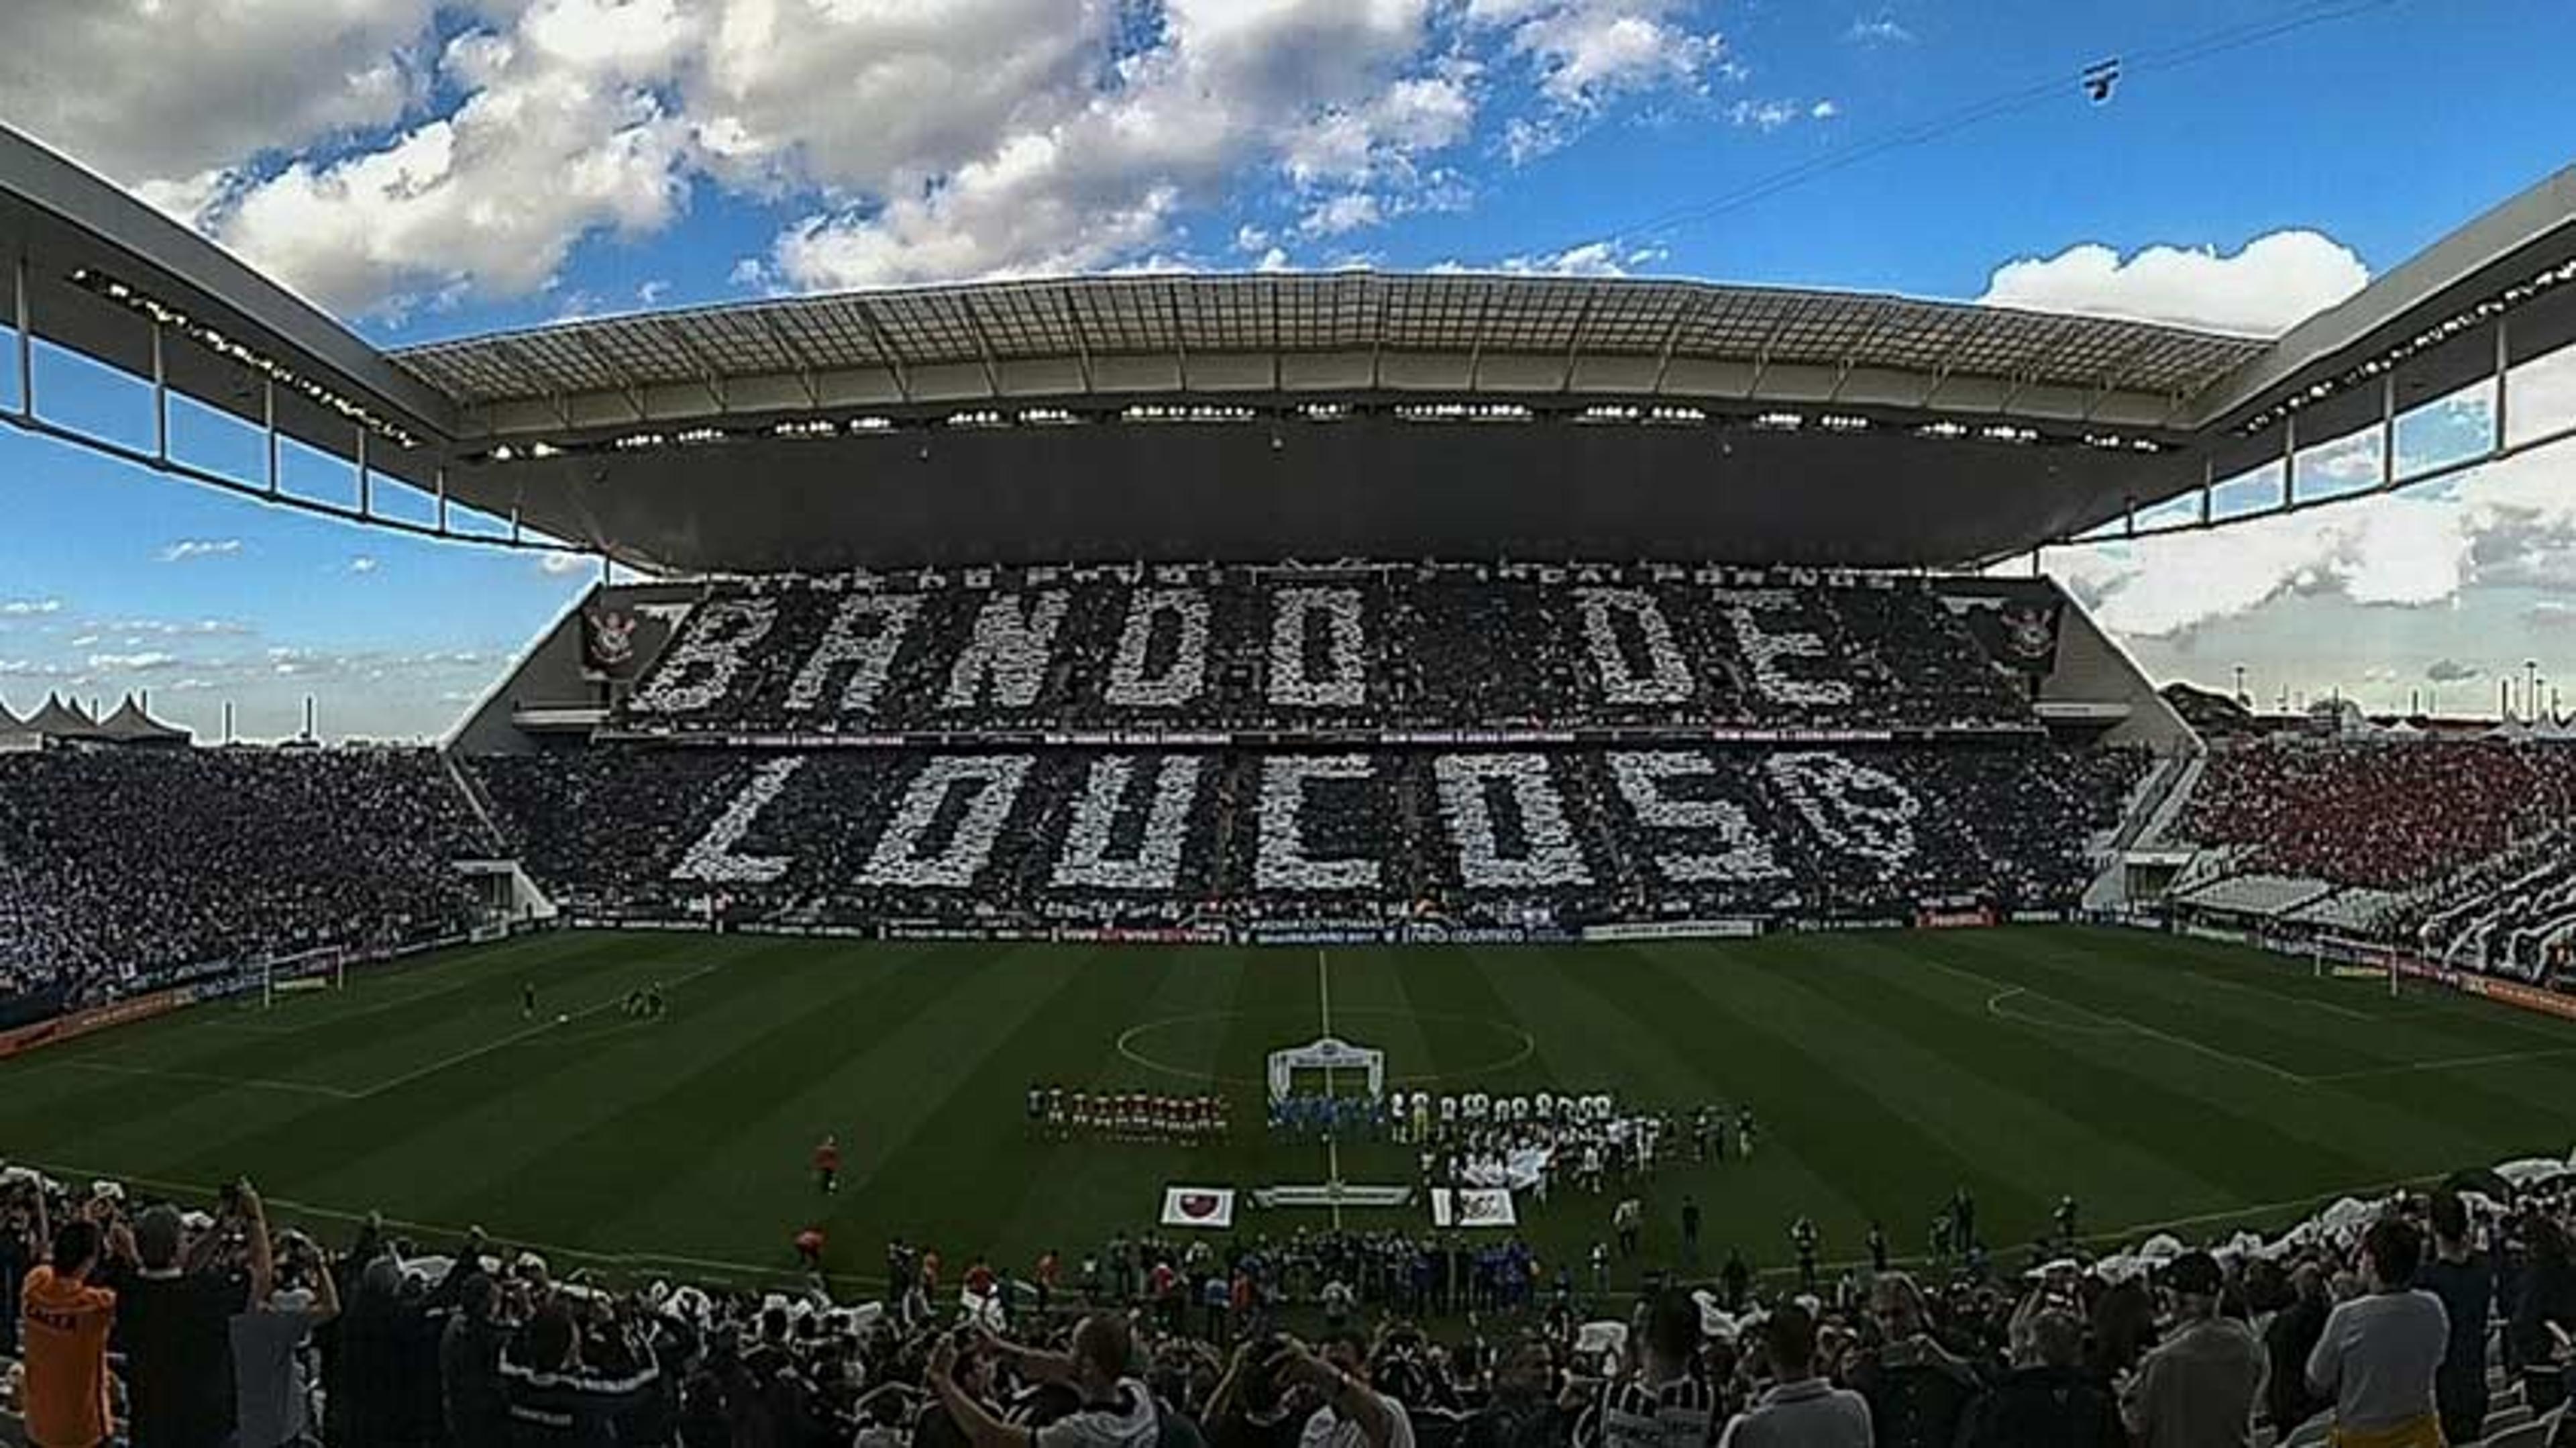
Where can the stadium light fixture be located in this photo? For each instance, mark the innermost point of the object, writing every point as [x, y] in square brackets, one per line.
[1781, 421]
[805, 427]
[212, 339]
[976, 418]
[1047, 417]
[2006, 432]
[1843, 422]
[698, 436]
[1325, 411]
[1945, 430]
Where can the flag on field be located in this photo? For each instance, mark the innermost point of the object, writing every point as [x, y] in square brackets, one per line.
[1209, 1207]
[1473, 1207]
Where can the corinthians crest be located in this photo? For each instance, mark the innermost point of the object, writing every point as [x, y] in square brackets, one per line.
[609, 646]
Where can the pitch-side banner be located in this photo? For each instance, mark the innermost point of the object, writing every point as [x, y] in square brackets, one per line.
[1472, 1207]
[1208, 1207]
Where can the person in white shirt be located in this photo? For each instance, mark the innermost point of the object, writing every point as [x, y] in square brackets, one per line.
[1801, 1410]
[2379, 1352]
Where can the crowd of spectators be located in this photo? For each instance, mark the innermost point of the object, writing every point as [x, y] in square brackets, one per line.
[1379, 647]
[123, 865]
[2513, 915]
[1560, 837]
[2395, 1323]
[2386, 813]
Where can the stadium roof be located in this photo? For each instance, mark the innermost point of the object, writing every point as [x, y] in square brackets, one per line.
[1319, 334]
[1312, 415]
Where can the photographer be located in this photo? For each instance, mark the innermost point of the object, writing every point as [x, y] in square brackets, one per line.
[1346, 1412]
[1117, 1411]
[291, 1294]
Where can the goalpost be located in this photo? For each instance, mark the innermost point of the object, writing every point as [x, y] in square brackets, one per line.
[324, 967]
[2369, 958]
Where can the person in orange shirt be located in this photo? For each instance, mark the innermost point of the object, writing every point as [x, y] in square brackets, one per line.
[66, 1323]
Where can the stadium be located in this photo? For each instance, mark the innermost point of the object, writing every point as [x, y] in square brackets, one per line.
[1465, 803]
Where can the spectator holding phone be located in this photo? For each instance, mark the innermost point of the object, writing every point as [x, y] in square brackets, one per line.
[173, 1324]
[289, 1298]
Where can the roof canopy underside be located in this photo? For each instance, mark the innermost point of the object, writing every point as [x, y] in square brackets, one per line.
[1342, 335]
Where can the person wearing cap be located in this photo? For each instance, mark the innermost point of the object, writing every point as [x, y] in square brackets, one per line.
[172, 1324]
[2380, 1350]
[2198, 1388]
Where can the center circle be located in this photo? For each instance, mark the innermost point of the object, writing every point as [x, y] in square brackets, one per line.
[1512, 1044]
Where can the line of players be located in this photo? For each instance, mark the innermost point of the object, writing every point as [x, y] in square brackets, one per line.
[1059, 1114]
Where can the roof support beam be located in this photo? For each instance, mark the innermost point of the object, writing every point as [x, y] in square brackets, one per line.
[885, 347]
[23, 307]
[788, 348]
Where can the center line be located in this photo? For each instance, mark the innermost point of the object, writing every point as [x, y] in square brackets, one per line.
[1332, 1135]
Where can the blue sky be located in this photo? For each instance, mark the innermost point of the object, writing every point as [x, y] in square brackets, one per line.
[426, 169]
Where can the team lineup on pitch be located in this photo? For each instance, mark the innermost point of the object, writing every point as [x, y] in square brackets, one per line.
[2187, 1081]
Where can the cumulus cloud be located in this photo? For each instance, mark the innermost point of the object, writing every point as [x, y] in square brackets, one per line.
[2510, 524]
[1586, 52]
[29, 607]
[558, 563]
[404, 155]
[166, 96]
[1880, 29]
[364, 563]
[1590, 259]
[188, 548]
[2274, 282]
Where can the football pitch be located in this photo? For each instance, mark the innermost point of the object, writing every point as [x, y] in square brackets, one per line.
[2161, 1081]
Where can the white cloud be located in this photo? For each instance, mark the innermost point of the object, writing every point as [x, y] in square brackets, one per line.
[165, 95]
[559, 134]
[557, 563]
[363, 563]
[187, 548]
[1274, 260]
[1879, 29]
[132, 663]
[29, 607]
[1590, 259]
[402, 155]
[1823, 110]
[1250, 239]
[2276, 281]
[2511, 523]
[651, 293]
[1585, 52]
[1337, 214]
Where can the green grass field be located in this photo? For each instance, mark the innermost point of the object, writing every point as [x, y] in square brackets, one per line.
[2159, 1080]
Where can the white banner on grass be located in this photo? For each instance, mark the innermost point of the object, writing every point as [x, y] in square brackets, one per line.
[1209, 1207]
[1472, 1207]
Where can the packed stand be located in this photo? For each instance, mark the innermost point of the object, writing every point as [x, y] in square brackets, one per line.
[2380, 813]
[1372, 648]
[124, 866]
[2515, 916]
[1539, 838]
[2409, 1322]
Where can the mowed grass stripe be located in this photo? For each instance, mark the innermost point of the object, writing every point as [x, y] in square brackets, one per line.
[870, 1066]
[372, 1146]
[1882, 1078]
[2128, 1130]
[1922, 1026]
[521, 1144]
[1860, 1098]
